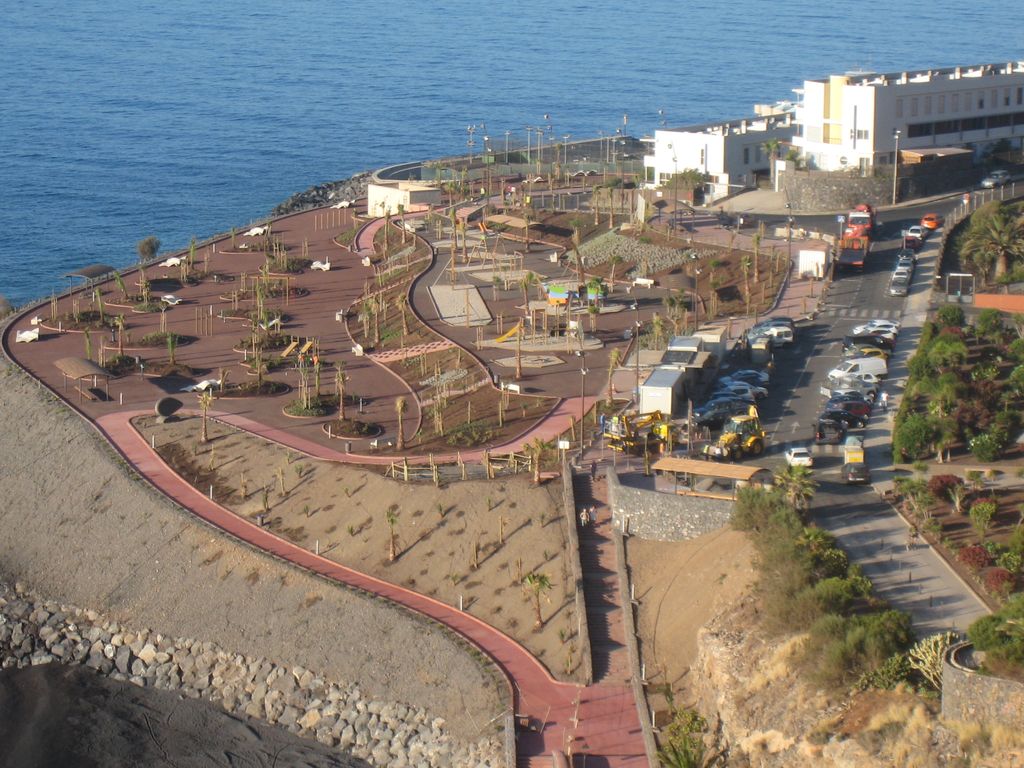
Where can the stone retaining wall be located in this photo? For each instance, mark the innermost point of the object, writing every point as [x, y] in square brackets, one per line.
[664, 516]
[968, 695]
[382, 733]
[585, 672]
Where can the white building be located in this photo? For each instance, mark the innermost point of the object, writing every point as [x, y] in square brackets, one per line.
[386, 197]
[729, 153]
[850, 121]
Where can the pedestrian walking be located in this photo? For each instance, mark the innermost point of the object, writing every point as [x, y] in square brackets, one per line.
[593, 470]
[584, 517]
[885, 402]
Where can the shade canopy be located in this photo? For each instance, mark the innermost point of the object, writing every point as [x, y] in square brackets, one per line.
[91, 272]
[80, 368]
[707, 468]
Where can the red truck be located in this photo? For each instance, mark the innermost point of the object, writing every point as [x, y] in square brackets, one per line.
[860, 222]
[853, 252]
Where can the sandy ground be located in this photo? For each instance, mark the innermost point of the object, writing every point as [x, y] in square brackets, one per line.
[680, 586]
[473, 540]
[77, 528]
[55, 716]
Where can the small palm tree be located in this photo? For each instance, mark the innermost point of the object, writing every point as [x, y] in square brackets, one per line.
[772, 147]
[998, 241]
[401, 406]
[614, 261]
[538, 584]
[205, 401]
[613, 362]
[537, 450]
[391, 517]
[797, 485]
[340, 377]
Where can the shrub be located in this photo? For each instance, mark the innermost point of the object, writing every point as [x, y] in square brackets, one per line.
[988, 446]
[940, 485]
[947, 352]
[894, 670]
[974, 557]
[913, 438]
[1016, 350]
[950, 315]
[982, 513]
[920, 366]
[1010, 560]
[928, 331]
[1000, 635]
[837, 647]
[985, 372]
[989, 325]
[999, 581]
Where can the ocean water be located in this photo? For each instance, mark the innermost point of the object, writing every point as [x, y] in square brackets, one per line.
[123, 119]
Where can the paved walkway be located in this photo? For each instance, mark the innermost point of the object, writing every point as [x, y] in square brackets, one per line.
[606, 715]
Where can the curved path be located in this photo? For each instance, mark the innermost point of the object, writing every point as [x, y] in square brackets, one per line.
[600, 721]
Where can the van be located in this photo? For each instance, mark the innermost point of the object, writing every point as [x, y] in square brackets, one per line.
[863, 368]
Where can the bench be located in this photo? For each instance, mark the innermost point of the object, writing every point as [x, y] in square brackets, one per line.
[377, 444]
[643, 282]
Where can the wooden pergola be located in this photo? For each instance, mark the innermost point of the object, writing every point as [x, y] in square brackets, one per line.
[80, 369]
[739, 474]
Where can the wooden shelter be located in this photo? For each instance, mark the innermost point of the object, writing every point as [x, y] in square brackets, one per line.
[693, 470]
[80, 369]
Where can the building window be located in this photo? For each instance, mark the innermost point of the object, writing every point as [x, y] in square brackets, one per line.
[917, 130]
[942, 104]
[913, 107]
[947, 126]
[972, 124]
[899, 107]
[746, 155]
[981, 101]
[999, 121]
[956, 102]
[862, 135]
[927, 105]
[995, 99]
[1006, 97]
[1020, 96]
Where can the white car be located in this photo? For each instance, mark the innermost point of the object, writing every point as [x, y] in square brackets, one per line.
[916, 231]
[995, 179]
[799, 457]
[876, 326]
[741, 389]
[170, 299]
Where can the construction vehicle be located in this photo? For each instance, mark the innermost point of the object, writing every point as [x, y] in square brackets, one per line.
[853, 252]
[741, 436]
[860, 222]
[632, 434]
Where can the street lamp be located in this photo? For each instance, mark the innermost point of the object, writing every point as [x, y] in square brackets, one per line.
[583, 395]
[896, 164]
[506, 146]
[565, 148]
[636, 335]
[789, 231]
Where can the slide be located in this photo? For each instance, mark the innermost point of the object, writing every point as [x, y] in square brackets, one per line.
[290, 348]
[306, 347]
[509, 334]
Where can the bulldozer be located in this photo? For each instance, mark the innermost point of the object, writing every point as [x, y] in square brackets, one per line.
[741, 436]
[631, 434]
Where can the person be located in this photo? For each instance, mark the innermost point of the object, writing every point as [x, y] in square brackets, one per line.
[584, 517]
[593, 470]
[885, 402]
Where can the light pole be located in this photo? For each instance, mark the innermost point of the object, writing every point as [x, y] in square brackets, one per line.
[896, 164]
[636, 335]
[565, 148]
[583, 395]
[789, 232]
[506, 146]
[470, 129]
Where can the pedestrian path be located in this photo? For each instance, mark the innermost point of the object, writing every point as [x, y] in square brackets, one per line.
[859, 313]
[600, 719]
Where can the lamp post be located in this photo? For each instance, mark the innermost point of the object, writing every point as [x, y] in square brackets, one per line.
[583, 395]
[789, 231]
[636, 335]
[896, 164]
[506, 146]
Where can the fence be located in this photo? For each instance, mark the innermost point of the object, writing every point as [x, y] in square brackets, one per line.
[487, 468]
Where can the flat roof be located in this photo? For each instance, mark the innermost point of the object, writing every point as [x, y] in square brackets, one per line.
[707, 468]
[663, 377]
[91, 271]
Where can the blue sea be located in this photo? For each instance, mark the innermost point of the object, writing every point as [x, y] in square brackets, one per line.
[123, 119]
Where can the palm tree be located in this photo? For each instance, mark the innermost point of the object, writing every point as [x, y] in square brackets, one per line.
[391, 517]
[340, 377]
[657, 329]
[613, 362]
[999, 241]
[537, 449]
[401, 301]
[772, 147]
[745, 264]
[538, 584]
[121, 286]
[614, 261]
[364, 315]
[205, 401]
[577, 228]
[519, 351]
[528, 218]
[401, 213]
[401, 406]
[120, 325]
[797, 486]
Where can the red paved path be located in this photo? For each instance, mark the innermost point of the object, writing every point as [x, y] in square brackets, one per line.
[608, 729]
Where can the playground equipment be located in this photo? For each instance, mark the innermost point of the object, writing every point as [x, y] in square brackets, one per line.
[631, 434]
[290, 348]
[517, 328]
[741, 436]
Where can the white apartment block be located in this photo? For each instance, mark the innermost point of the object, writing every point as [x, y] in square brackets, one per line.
[850, 121]
[728, 152]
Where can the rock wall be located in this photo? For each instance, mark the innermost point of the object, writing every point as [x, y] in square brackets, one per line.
[664, 516]
[324, 194]
[33, 631]
[971, 696]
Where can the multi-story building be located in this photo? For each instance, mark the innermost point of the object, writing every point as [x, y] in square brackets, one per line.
[729, 153]
[860, 120]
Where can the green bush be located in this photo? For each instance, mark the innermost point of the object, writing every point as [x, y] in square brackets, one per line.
[950, 316]
[894, 670]
[928, 332]
[843, 649]
[1001, 635]
[988, 446]
[913, 438]
[1016, 350]
[920, 366]
[989, 325]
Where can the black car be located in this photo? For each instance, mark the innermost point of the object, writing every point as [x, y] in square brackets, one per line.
[868, 340]
[856, 472]
[847, 418]
[714, 413]
[847, 397]
[829, 431]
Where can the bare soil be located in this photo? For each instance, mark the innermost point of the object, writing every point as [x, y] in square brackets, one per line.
[471, 541]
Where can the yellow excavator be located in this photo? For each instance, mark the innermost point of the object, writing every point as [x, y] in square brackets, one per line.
[631, 434]
[741, 436]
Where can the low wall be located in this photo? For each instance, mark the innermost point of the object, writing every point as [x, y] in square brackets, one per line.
[1005, 302]
[971, 696]
[585, 674]
[664, 516]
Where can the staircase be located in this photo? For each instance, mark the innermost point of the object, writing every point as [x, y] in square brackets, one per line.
[601, 583]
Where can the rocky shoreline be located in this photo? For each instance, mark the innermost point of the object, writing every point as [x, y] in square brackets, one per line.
[35, 631]
[320, 195]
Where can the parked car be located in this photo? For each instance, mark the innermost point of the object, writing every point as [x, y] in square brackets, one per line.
[848, 418]
[853, 390]
[829, 432]
[905, 262]
[740, 389]
[856, 407]
[866, 351]
[779, 332]
[995, 179]
[899, 285]
[893, 326]
[912, 243]
[868, 340]
[751, 376]
[714, 414]
[858, 367]
[856, 472]
[917, 231]
[932, 221]
[901, 273]
[906, 253]
[799, 457]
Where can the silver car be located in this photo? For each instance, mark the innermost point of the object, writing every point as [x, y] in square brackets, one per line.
[996, 179]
